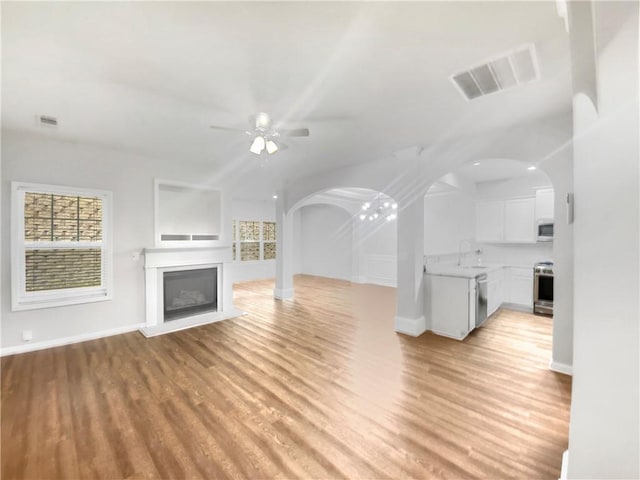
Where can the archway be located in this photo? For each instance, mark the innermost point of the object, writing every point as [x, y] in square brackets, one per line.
[344, 233]
[514, 183]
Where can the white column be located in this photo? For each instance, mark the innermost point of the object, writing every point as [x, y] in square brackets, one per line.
[284, 251]
[410, 317]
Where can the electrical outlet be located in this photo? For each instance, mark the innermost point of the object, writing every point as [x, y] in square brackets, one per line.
[27, 335]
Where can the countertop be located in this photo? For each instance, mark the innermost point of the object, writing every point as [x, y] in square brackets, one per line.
[470, 271]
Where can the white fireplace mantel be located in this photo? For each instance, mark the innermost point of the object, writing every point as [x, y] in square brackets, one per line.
[159, 260]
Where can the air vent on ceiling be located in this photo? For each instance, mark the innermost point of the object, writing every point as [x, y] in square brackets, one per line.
[48, 120]
[517, 67]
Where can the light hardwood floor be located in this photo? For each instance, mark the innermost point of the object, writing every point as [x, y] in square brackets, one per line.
[317, 387]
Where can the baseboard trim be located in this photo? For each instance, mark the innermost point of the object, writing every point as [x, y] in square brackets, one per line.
[561, 368]
[59, 342]
[517, 307]
[411, 326]
[359, 279]
[283, 293]
[565, 465]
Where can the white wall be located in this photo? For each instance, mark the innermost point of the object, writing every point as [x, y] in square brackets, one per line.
[449, 218]
[130, 177]
[264, 211]
[326, 241]
[524, 255]
[559, 167]
[376, 249]
[604, 433]
[524, 186]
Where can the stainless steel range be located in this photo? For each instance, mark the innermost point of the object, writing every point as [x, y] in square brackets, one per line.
[543, 288]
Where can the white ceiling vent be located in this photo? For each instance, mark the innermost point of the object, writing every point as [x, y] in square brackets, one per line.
[47, 121]
[517, 67]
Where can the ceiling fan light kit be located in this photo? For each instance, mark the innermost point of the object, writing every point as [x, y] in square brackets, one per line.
[265, 134]
[271, 147]
[257, 146]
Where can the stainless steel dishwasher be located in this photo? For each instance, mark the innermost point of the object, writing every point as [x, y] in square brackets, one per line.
[481, 299]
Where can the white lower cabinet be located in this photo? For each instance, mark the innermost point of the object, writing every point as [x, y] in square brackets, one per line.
[521, 286]
[495, 290]
[450, 304]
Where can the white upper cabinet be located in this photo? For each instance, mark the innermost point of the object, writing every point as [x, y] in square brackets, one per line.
[544, 204]
[490, 221]
[519, 224]
[506, 221]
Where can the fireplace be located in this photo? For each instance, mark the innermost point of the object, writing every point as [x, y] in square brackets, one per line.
[189, 292]
[186, 287]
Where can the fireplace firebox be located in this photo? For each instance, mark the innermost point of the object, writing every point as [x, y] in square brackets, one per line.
[190, 292]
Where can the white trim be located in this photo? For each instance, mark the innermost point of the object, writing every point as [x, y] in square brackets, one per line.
[283, 293]
[411, 326]
[565, 465]
[561, 367]
[58, 342]
[358, 279]
[22, 300]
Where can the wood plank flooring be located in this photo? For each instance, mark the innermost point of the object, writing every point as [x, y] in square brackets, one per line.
[317, 387]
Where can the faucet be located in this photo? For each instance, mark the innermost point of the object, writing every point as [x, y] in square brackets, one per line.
[460, 253]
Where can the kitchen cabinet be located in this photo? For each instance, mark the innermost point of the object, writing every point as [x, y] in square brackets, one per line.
[521, 286]
[450, 304]
[506, 221]
[544, 204]
[519, 224]
[495, 290]
[490, 221]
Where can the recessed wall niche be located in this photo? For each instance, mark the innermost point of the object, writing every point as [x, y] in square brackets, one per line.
[187, 215]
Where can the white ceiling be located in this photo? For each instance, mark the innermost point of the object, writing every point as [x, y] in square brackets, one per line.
[367, 79]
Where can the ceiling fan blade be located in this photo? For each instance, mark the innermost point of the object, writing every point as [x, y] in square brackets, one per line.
[282, 146]
[230, 129]
[296, 132]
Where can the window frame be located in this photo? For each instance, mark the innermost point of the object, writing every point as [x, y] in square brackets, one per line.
[23, 300]
[261, 242]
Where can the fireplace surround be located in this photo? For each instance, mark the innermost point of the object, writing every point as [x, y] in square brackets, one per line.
[204, 298]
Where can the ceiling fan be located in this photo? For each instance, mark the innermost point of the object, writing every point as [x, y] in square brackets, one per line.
[265, 136]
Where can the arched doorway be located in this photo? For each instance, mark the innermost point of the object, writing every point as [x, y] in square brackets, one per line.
[343, 233]
[462, 226]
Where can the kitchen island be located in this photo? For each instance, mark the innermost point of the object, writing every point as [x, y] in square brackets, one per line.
[453, 306]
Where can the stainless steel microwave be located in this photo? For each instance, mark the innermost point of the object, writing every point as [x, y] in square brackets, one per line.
[545, 231]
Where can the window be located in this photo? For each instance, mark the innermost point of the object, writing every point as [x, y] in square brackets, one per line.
[254, 240]
[249, 241]
[61, 251]
[268, 240]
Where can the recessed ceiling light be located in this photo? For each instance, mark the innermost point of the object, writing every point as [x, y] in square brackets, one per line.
[532, 167]
[475, 164]
[275, 197]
